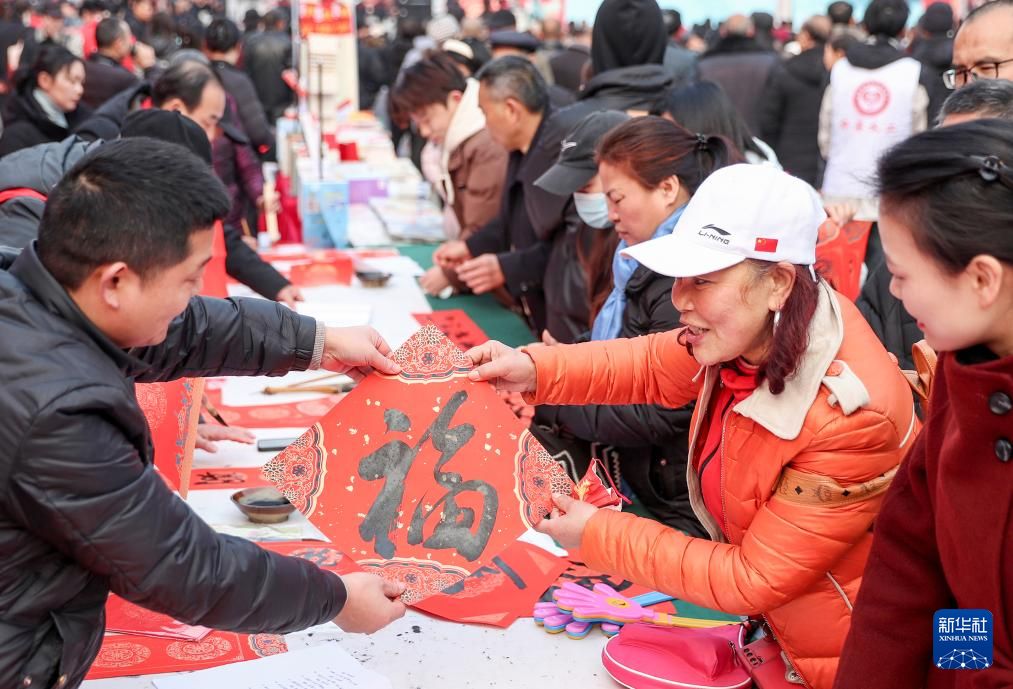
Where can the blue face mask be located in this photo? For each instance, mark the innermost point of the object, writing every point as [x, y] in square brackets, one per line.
[593, 209]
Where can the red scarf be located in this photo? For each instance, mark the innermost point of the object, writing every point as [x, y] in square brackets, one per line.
[736, 382]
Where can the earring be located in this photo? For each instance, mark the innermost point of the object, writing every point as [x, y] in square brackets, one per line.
[777, 319]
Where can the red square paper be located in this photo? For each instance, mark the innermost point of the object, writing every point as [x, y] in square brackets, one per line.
[172, 410]
[500, 592]
[423, 476]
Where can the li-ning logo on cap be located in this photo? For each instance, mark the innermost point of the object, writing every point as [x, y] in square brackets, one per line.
[719, 237]
[566, 145]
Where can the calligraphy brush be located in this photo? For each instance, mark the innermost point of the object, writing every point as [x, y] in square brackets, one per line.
[215, 414]
[328, 389]
[317, 379]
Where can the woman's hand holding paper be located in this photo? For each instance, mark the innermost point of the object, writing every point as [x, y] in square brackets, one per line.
[507, 368]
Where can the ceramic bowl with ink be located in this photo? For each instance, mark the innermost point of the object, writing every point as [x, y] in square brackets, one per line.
[373, 278]
[263, 505]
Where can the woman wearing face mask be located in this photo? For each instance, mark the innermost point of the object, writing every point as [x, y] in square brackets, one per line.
[460, 159]
[801, 419]
[46, 105]
[635, 177]
[943, 537]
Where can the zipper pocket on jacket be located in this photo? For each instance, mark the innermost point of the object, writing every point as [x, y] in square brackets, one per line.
[840, 590]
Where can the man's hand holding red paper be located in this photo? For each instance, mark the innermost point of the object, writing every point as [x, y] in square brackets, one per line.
[371, 604]
[356, 352]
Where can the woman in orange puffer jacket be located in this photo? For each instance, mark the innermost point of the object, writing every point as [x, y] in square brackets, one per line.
[801, 419]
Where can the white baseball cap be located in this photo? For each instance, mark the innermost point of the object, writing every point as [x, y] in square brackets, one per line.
[739, 212]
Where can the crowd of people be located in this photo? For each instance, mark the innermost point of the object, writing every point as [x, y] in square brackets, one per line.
[649, 198]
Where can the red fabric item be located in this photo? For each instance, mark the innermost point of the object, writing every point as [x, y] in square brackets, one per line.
[943, 539]
[289, 225]
[19, 192]
[737, 382]
[424, 476]
[840, 252]
[90, 44]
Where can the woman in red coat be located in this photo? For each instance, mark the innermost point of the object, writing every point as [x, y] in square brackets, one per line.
[944, 538]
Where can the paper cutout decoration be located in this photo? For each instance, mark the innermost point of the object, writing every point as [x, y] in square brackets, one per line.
[124, 655]
[597, 488]
[281, 415]
[455, 324]
[501, 591]
[421, 477]
[124, 617]
[172, 410]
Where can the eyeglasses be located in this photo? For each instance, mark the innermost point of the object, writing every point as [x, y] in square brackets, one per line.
[955, 78]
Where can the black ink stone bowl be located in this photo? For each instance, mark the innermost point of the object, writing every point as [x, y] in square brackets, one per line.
[263, 505]
[373, 278]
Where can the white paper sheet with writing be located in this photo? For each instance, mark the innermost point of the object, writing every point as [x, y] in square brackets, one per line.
[320, 667]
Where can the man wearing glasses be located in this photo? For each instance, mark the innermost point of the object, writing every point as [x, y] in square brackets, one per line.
[983, 48]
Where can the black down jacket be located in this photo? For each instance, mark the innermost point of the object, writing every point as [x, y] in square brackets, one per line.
[790, 113]
[650, 442]
[82, 510]
[533, 237]
[38, 168]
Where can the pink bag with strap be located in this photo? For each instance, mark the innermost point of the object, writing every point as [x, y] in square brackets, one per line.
[644, 656]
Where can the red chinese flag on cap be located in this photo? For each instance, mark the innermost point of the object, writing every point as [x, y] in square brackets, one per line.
[764, 245]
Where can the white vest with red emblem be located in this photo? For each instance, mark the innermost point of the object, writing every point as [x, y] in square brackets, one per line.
[872, 111]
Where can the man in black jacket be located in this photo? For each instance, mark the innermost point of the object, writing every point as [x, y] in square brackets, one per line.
[741, 65]
[628, 48]
[513, 250]
[267, 56]
[105, 297]
[194, 90]
[790, 104]
[104, 73]
[221, 45]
